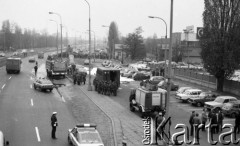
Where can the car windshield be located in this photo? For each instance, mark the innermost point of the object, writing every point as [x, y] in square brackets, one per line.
[219, 100]
[88, 137]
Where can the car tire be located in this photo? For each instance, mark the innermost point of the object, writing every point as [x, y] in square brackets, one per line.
[34, 86]
[199, 104]
[132, 109]
[69, 141]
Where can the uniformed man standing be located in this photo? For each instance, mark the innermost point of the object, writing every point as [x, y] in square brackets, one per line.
[35, 69]
[54, 125]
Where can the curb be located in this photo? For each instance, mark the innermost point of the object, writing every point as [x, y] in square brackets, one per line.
[113, 125]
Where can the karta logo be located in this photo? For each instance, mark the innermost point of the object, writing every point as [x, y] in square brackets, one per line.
[221, 138]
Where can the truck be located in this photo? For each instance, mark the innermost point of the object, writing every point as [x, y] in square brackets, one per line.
[55, 66]
[148, 100]
[108, 74]
[13, 65]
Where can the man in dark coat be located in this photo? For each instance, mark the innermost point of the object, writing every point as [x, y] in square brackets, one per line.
[54, 125]
[35, 69]
[191, 122]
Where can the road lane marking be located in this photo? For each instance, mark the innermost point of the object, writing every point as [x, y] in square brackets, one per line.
[38, 136]
[3, 86]
[31, 102]
[10, 77]
[31, 86]
[63, 99]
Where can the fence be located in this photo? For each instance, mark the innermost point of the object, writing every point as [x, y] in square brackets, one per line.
[207, 80]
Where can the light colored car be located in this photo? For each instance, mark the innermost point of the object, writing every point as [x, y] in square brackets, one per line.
[32, 51]
[2, 54]
[15, 53]
[86, 62]
[181, 90]
[3, 142]
[128, 74]
[219, 101]
[190, 93]
[32, 59]
[43, 84]
[84, 135]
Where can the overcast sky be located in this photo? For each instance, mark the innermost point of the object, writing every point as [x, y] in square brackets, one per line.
[128, 14]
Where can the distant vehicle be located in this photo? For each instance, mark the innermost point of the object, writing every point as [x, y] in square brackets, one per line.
[106, 63]
[40, 55]
[84, 135]
[138, 76]
[147, 101]
[190, 93]
[15, 53]
[43, 84]
[55, 67]
[32, 51]
[86, 62]
[13, 65]
[128, 74]
[163, 85]
[181, 90]
[231, 109]
[3, 142]
[24, 52]
[153, 80]
[202, 98]
[31, 59]
[2, 54]
[219, 101]
[108, 74]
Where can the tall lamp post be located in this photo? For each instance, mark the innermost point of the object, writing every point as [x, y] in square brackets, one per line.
[57, 34]
[112, 42]
[94, 43]
[170, 62]
[60, 27]
[89, 84]
[165, 52]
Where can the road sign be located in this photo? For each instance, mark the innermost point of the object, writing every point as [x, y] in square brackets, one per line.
[199, 32]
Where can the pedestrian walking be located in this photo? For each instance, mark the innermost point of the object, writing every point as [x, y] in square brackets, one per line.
[204, 119]
[54, 124]
[160, 119]
[191, 122]
[35, 69]
[196, 123]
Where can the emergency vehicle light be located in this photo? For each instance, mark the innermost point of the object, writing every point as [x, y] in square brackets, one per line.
[86, 125]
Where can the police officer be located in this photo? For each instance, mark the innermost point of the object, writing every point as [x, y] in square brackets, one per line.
[54, 124]
[74, 78]
[84, 78]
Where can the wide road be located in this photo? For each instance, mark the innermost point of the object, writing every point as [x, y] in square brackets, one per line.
[25, 113]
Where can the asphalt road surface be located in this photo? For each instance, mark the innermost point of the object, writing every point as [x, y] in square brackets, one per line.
[25, 113]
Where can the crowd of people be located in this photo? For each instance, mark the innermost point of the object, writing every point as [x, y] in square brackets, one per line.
[106, 87]
[215, 120]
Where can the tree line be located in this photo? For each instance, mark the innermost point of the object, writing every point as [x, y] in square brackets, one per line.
[13, 37]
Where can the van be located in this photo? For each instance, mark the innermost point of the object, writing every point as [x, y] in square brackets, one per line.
[13, 65]
[3, 142]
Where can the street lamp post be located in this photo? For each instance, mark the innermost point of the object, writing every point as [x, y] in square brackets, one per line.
[57, 34]
[94, 43]
[61, 28]
[165, 50]
[89, 84]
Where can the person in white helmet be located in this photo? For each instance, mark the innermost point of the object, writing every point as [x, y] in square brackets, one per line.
[54, 124]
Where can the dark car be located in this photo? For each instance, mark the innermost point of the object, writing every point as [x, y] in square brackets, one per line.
[163, 85]
[203, 97]
[153, 80]
[140, 76]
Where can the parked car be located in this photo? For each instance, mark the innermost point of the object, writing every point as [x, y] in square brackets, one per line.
[219, 101]
[153, 80]
[32, 59]
[231, 109]
[128, 74]
[43, 84]
[106, 63]
[163, 85]
[32, 51]
[2, 54]
[84, 134]
[203, 97]
[182, 90]
[3, 141]
[190, 93]
[86, 62]
[138, 76]
[15, 53]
